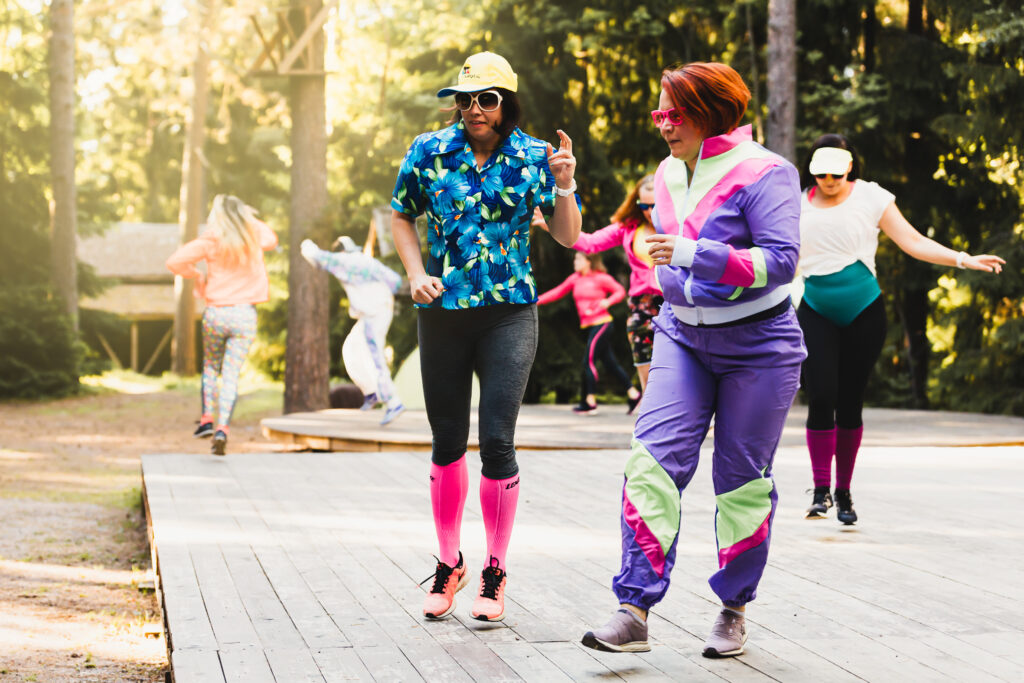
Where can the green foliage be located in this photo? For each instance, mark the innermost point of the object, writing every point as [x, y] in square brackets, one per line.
[933, 113]
[39, 352]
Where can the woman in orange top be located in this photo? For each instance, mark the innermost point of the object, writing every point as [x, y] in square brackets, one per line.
[236, 278]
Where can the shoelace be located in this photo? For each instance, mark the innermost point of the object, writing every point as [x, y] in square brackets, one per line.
[440, 577]
[492, 577]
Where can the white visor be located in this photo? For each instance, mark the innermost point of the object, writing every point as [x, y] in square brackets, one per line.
[830, 160]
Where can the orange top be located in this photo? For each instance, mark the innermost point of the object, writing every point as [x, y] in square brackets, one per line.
[225, 285]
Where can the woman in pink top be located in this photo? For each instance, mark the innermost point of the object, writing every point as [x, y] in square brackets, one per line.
[594, 291]
[236, 278]
[631, 225]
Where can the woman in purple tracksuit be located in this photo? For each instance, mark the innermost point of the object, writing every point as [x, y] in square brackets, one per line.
[726, 344]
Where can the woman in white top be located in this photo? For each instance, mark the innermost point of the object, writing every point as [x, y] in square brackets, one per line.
[842, 313]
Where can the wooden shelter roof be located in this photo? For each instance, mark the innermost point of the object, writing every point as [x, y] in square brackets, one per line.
[134, 254]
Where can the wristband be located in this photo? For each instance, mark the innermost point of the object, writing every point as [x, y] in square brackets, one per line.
[960, 260]
[567, 191]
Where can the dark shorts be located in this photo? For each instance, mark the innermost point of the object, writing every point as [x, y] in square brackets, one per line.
[642, 310]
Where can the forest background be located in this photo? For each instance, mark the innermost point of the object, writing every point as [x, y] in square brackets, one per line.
[929, 91]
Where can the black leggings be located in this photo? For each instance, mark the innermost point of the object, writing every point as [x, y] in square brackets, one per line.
[499, 343]
[599, 347]
[839, 362]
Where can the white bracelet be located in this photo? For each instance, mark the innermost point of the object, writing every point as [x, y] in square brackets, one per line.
[960, 259]
[567, 191]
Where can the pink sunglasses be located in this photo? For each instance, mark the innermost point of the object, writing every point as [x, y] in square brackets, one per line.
[674, 116]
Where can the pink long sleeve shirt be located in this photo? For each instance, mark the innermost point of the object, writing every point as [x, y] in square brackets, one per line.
[588, 291]
[626, 235]
[246, 283]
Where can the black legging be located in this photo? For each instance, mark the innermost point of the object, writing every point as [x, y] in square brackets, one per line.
[499, 343]
[839, 362]
[599, 347]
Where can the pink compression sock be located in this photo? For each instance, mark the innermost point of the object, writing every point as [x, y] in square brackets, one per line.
[498, 500]
[821, 443]
[449, 485]
[847, 445]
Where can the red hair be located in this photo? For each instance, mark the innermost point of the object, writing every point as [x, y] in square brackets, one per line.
[713, 95]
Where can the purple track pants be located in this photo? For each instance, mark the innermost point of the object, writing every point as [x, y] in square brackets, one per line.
[746, 376]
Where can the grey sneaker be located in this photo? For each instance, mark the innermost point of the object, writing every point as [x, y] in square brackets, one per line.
[727, 635]
[624, 632]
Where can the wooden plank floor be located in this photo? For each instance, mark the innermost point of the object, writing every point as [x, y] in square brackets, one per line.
[555, 427]
[304, 567]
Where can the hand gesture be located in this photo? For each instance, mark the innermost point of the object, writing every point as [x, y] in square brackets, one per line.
[538, 220]
[661, 248]
[987, 262]
[308, 249]
[425, 288]
[562, 162]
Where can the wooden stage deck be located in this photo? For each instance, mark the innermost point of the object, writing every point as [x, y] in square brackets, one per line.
[304, 567]
[551, 427]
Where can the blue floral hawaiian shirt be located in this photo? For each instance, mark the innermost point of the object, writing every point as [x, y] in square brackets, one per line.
[478, 221]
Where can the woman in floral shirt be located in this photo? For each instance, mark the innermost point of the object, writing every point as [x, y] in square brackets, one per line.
[478, 182]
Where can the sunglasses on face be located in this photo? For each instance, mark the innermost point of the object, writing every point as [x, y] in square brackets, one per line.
[488, 100]
[644, 207]
[674, 116]
[822, 176]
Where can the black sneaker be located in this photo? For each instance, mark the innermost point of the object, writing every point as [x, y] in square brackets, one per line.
[585, 409]
[844, 507]
[220, 443]
[204, 430]
[820, 504]
[633, 403]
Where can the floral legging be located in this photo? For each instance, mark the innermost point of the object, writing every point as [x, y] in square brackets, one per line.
[228, 332]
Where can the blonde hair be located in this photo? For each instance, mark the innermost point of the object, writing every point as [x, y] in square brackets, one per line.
[231, 223]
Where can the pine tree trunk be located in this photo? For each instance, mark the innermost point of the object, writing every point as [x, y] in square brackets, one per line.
[62, 154]
[183, 345]
[780, 132]
[306, 355]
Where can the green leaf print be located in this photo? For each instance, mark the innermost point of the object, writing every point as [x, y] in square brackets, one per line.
[505, 197]
[437, 164]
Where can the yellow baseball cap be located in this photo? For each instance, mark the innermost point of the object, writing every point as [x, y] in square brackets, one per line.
[481, 71]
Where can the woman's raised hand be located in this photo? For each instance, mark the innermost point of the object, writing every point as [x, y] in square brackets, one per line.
[561, 161]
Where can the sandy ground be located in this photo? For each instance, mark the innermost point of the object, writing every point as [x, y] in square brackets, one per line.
[75, 573]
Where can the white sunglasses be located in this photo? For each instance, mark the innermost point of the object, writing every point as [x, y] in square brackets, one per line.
[488, 100]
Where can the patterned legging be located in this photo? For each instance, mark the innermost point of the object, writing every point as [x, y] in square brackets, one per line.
[228, 332]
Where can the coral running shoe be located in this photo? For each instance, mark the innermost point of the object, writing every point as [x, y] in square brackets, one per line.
[490, 603]
[448, 581]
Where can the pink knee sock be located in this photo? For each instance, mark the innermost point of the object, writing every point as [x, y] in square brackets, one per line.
[498, 500]
[449, 485]
[847, 445]
[821, 443]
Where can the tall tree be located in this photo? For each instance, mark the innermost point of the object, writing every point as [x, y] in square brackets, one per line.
[306, 356]
[780, 133]
[62, 154]
[183, 346]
